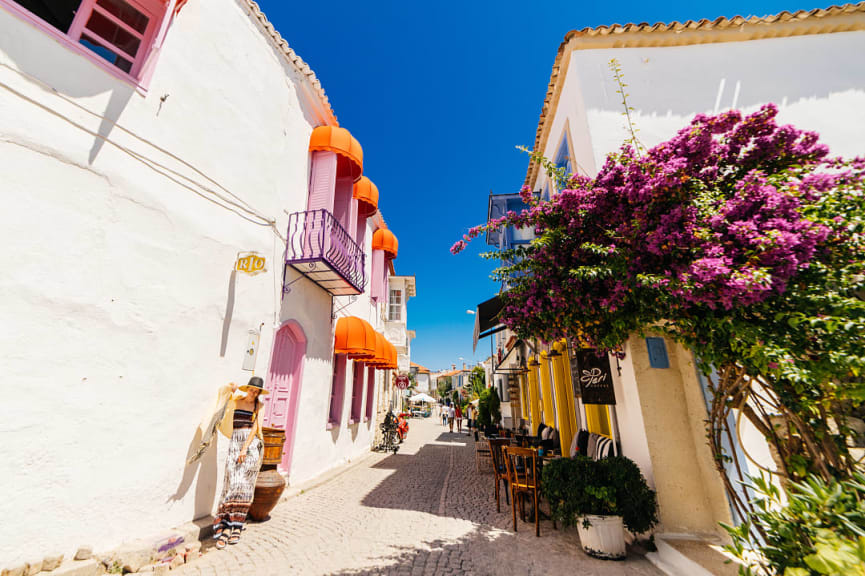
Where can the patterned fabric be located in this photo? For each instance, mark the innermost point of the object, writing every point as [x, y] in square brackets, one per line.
[239, 484]
[242, 418]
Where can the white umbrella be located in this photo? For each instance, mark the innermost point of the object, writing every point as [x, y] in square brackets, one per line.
[422, 397]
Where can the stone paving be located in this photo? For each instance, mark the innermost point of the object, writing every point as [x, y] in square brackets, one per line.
[424, 511]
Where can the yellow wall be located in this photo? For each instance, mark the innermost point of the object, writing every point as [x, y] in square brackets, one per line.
[691, 496]
[534, 397]
[547, 392]
[561, 384]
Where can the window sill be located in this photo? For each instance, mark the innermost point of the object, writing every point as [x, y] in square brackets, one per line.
[64, 40]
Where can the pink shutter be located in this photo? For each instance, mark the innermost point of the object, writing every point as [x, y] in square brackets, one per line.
[342, 202]
[352, 220]
[384, 279]
[370, 391]
[377, 277]
[322, 181]
[357, 392]
[337, 390]
[360, 232]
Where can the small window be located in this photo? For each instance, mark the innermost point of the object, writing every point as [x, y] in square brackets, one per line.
[370, 391]
[395, 309]
[118, 31]
[337, 390]
[563, 158]
[657, 353]
[356, 392]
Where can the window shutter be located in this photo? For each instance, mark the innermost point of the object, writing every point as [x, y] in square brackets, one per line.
[342, 203]
[322, 182]
[377, 275]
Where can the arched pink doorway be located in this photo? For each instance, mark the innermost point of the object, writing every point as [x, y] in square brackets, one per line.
[283, 381]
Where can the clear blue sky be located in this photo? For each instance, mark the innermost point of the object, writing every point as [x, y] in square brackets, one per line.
[439, 94]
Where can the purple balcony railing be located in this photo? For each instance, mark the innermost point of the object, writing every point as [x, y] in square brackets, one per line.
[320, 248]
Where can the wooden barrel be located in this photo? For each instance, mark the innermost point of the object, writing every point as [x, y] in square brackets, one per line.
[274, 438]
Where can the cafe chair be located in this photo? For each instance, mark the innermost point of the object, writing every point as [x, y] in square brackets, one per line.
[482, 453]
[500, 469]
[524, 478]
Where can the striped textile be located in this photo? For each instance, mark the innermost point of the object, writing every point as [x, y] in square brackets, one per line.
[239, 484]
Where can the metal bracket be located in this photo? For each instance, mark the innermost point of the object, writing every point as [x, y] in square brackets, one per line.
[286, 286]
[351, 299]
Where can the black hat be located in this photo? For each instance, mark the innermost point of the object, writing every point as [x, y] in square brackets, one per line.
[255, 382]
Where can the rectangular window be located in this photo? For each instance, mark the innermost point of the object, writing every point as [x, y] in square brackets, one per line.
[337, 390]
[657, 353]
[120, 32]
[356, 392]
[370, 391]
[395, 310]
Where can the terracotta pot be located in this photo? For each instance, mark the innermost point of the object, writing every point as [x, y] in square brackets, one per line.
[604, 537]
[274, 438]
[268, 489]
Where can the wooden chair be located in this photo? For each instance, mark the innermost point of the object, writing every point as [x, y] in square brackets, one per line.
[524, 478]
[500, 469]
[482, 452]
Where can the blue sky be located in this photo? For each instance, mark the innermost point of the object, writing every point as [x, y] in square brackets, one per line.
[439, 94]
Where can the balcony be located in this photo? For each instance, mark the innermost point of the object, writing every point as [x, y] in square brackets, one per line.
[319, 248]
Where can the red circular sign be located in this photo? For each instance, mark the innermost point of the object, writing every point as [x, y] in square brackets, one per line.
[402, 382]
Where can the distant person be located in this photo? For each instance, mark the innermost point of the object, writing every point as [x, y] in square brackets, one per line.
[451, 415]
[470, 412]
[444, 410]
[458, 413]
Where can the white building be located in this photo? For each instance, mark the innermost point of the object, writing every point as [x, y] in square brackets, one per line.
[138, 174]
[423, 378]
[810, 64]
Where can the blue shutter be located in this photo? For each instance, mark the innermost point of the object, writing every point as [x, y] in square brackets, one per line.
[657, 353]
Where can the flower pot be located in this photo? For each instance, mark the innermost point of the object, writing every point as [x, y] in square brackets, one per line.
[603, 538]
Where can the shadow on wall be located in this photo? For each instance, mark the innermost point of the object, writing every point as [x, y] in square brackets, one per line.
[61, 70]
[203, 472]
[689, 79]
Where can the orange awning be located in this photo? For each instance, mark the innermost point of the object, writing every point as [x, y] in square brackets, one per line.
[354, 337]
[339, 140]
[383, 239]
[381, 355]
[366, 194]
[392, 362]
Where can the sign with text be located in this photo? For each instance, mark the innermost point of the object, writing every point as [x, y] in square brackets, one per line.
[402, 381]
[595, 377]
[250, 263]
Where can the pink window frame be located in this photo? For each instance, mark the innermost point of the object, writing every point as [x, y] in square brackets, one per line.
[370, 391]
[337, 391]
[357, 392]
[142, 67]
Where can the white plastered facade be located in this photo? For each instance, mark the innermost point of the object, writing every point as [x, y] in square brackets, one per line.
[118, 318]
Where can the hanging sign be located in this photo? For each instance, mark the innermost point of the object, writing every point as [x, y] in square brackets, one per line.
[595, 377]
[251, 351]
[250, 263]
[402, 381]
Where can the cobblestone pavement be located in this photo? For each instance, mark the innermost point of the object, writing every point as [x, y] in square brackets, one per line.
[424, 511]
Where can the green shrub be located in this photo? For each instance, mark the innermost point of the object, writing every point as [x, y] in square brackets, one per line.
[489, 408]
[819, 531]
[612, 486]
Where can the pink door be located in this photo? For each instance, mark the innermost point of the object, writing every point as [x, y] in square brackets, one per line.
[283, 382]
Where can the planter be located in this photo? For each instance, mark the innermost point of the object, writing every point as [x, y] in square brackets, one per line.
[268, 488]
[603, 538]
[270, 484]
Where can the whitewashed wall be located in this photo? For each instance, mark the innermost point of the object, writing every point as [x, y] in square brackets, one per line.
[113, 294]
[818, 82]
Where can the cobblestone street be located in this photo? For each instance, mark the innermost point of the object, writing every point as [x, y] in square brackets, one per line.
[423, 511]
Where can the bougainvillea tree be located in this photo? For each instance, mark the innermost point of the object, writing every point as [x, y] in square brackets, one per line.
[741, 239]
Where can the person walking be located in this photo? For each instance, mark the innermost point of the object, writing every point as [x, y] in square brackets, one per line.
[241, 423]
[451, 415]
[470, 411]
[444, 411]
[458, 413]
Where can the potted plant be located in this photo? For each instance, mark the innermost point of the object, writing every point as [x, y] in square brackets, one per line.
[601, 498]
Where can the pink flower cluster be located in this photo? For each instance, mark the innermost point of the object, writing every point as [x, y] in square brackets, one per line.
[717, 217]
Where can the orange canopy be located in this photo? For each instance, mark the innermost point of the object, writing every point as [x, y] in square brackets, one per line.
[354, 337]
[339, 140]
[383, 239]
[366, 194]
[393, 356]
[379, 355]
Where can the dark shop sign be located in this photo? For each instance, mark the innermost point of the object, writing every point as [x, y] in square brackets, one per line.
[595, 377]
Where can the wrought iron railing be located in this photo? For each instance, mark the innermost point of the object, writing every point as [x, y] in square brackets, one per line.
[315, 236]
